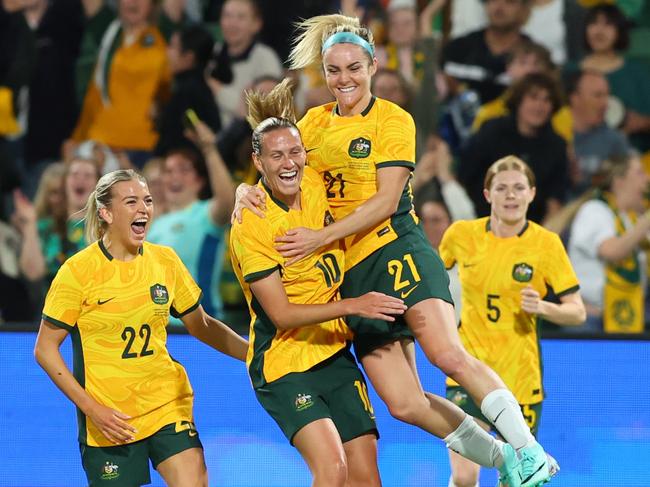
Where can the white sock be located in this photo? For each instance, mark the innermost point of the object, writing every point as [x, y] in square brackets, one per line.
[451, 483]
[472, 442]
[502, 409]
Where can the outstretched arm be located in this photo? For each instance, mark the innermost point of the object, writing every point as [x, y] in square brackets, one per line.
[285, 315]
[215, 333]
[300, 242]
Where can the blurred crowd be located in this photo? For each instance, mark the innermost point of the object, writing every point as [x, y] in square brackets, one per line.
[90, 86]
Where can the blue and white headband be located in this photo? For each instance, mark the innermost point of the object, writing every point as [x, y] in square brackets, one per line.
[349, 38]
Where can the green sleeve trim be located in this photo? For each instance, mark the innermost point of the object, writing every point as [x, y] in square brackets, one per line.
[176, 314]
[408, 164]
[58, 323]
[256, 276]
[571, 290]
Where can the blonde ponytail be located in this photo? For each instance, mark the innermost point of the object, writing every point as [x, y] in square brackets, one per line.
[313, 32]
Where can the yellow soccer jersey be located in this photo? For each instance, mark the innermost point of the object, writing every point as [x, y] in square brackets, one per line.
[273, 353]
[347, 151]
[116, 313]
[492, 272]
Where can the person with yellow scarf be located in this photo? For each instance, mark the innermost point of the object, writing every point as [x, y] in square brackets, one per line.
[606, 246]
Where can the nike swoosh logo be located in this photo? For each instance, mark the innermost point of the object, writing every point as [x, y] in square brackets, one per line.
[191, 432]
[405, 294]
[498, 415]
[100, 302]
[523, 481]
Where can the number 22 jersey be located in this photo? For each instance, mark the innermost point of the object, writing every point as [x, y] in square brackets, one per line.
[116, 313]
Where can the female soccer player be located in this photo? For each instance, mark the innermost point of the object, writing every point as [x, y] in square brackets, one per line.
[506, 265]
[134, 402]
[363, 148]
[304, 376]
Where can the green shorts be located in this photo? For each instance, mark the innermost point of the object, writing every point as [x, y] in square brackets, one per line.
[128, 465]
[333, 389]
[459, 396]
[407, 268]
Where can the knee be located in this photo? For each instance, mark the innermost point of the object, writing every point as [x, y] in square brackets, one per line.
[453, 361]
[465, 479]
[333, 473]
[409, 409]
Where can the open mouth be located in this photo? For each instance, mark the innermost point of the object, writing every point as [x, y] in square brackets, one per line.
[347, 89]
[289, 176]
[139, 226]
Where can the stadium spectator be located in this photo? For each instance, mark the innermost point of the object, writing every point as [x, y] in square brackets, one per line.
[390, 84]
[477, 61]
[247, 57]
[131, 78]
[527, 57]
[594, 140]
[607, 39]
[153, 172]
[189, 52]
[62, 236]
[412, 51]
[606, 245]
[16, 302]
[526, 133]
[195, 227]
[52, 112]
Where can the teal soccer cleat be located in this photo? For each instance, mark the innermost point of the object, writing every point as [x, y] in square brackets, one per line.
[535, 467]
[510, 471]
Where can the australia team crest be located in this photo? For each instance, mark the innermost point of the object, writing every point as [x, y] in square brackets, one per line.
[159, 294]
[360, 148]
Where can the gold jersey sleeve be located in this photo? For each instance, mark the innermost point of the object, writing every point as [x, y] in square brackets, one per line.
[492, 272]
[116, 313]
[273, 353]
[347, 152]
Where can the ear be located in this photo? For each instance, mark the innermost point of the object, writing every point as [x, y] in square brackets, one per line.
[106, 215]
[486, 195]
[258, 163]
[373, 66]
[533, 192]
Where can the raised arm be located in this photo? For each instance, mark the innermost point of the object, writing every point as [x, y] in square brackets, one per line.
[285, 315]
[221, 182]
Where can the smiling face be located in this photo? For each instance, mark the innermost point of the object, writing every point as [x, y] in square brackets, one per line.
[129, 214]
[348, 72]
[181, 181]
[80, 180]
[509, 195]
[282, 162]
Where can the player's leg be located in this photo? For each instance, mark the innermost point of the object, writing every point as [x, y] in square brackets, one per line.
[392, 371]
[346, 392]
[177, 453]
[361, 454]
[320, 445]
[185, 469]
